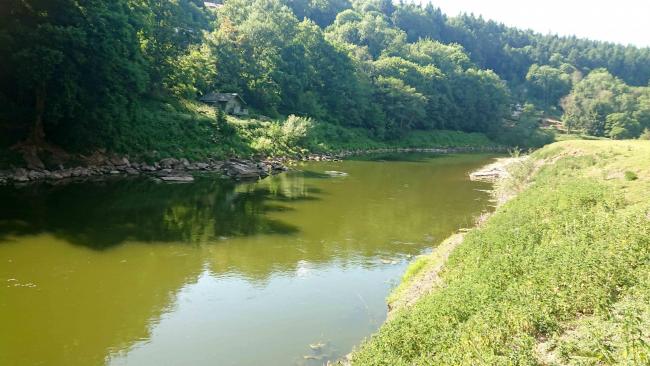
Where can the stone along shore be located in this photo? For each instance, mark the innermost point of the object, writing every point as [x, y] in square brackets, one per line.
[175, 170]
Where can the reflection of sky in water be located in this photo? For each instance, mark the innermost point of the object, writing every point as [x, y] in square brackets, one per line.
[329, 305]
[215, 273]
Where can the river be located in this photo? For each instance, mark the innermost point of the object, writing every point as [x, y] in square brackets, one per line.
[290, 270]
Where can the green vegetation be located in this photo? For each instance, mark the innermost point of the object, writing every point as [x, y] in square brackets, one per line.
[416, 271]
[120, 75]
[558, 275]
[603, 105]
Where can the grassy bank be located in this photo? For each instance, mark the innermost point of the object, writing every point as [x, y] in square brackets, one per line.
[560, 275]
[187, 129]
[194, 130]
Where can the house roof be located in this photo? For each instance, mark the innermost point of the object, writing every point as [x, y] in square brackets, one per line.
[215, 97]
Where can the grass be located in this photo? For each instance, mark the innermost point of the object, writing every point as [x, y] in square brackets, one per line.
[182, 128]
[425, 264]
[561, 136]
[331, 138]
[559, 275]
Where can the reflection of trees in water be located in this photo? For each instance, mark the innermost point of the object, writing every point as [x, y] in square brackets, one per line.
[101, 215]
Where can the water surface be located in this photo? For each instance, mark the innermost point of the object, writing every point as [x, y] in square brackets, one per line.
[134, 272]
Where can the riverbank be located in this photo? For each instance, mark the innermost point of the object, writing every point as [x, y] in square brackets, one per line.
[558, 275]
[170, 170]
[98, 165]
[423, 275]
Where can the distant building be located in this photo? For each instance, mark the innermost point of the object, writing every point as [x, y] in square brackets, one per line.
[230, 103]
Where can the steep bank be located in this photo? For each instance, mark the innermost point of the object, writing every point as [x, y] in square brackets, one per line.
[559, 275]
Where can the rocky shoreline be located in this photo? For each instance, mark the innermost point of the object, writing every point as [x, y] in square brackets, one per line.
[99, 165]
[167, 170]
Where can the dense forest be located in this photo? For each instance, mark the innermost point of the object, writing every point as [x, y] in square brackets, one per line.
[125, 74]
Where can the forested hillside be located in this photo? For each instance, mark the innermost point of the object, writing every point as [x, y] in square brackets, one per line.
[126, 74]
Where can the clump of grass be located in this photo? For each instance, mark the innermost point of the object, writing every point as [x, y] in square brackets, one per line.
[630, 175]
[569, 247]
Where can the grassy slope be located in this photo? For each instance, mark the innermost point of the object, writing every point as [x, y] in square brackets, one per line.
[188, 129]
[558, 275]
[179, 128]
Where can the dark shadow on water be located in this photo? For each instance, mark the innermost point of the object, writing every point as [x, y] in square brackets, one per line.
[312, 174]
[101, 215]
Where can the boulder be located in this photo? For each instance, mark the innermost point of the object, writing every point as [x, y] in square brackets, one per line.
[168, 163]
[117, 161]
[178, 178]
[35, 175]
[240, 170]
[147, 168]
[80, 172]
[66, 173]
[21, 175]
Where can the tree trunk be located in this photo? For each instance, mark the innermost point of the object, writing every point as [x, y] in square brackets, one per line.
[37, 135]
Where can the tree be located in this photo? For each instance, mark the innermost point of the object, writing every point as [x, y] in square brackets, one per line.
[322, 12]
[401, 103]
[370, 29]
[75, 70]
[547, 84]
[622, 126]
[593, 99]
[168, 29]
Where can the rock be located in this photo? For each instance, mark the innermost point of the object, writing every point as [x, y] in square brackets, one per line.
[317, 346]
[132, 171]
[334, 173]
[80, 172]
[114, 172]
[117, 161]
[202, 166]
[35, 175]
[178, 178]
[238, 169]
[168, 163]
[20, 175]
[148, 168]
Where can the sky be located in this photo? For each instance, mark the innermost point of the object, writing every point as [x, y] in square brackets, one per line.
[619, 21]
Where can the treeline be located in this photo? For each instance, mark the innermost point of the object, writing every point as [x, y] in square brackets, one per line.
[603, 105]
[510, 51]
[78, 73]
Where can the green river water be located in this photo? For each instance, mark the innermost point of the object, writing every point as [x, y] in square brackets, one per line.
[134, 272]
